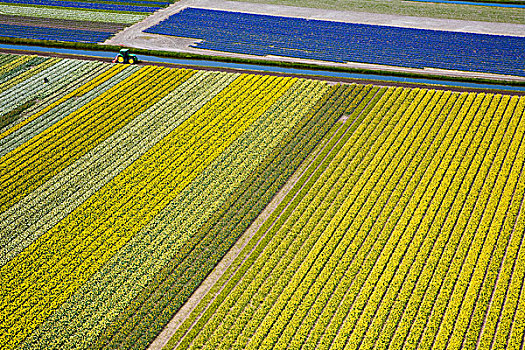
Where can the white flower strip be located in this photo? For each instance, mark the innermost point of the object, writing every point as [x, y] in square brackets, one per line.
[33, 128]
[80, 15]
[60, 76]
[34, 85]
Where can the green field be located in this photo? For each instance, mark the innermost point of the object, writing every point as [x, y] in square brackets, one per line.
[122, 187]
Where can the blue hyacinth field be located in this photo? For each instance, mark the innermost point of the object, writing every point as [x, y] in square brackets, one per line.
[341, 42]
[56, 34]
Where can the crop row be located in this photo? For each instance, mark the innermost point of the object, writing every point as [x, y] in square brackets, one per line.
[29, 85]
[63, 107]
[214, 290]
[363, 97]
[24, 90]
[30, 261]
[427, 162]
[409, 179]
[48, 62]
[469, 254]
[370, 245]
[356, 224]
[263, 35]
[351, 263]
[460, 163]
[450, 157]
[53, 34]
[55, 105]
[148, 294]
[20, 285]
[20, 69]
[124, 187]
[63, 228]
[10, 62]
[11, 67]
[498, 234]
[106, 221]
[131, 7]
[219, 318]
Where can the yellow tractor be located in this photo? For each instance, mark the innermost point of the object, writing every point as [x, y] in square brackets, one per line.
[125, 57]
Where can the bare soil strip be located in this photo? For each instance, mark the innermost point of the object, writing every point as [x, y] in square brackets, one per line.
[61, 23]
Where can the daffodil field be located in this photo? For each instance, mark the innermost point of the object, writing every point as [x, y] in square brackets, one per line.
[406, 232]
[122, 187]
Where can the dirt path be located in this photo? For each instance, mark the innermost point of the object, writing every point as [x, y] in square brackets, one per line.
[170, 329]
[238, 248]
[134, 36]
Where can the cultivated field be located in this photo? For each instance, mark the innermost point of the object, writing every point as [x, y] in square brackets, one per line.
[148, 207]
[404, 232]
[334, 39]
[71, 21]
[306, 38]
[400, 225]
[122, 187]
